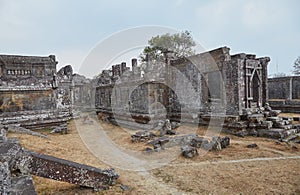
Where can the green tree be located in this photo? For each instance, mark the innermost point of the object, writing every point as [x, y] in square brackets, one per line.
[180, 44]
[296, 66]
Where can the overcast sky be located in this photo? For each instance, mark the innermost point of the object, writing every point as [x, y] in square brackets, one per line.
[70, 29]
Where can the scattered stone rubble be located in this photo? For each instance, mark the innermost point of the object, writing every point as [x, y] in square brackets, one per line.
[254, 145]
[188, 151]
[62, 129]
[189, 143]
[17, 165]
[142, 136]
[263, 123]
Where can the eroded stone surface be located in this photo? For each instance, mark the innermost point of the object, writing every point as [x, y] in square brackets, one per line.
[14, 159]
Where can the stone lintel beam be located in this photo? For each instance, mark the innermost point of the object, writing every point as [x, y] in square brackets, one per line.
[23, 162]
[71, 172]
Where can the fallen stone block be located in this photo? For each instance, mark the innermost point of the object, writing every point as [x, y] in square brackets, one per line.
[253, 132]
[148, 150]
[274, 119]
[5, 181]
[272, 133]
[225, 142]
[241, 133]
[256, 118]
[159, 143]
[142, 136]
[279, 124]
[264, 125]
[290, 132]
[198, 141]
[297, 126]
[171, 132]
[180, 140]
[124, 187]
[71, 172]
[22, 185]
[216, 144]
[241, 125]
[63, 129]
[188, 151]
[174, 125]
[25, 162]
[287, 118]
[291, 137]
[252, 145]
[22, 130]
[274, 113]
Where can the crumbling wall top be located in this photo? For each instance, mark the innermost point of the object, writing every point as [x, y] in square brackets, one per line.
[18, 59]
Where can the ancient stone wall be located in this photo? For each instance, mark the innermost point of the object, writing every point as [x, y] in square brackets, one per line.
[84, 91]
[27, 70]
[14, 100]
[32, 94]
[224, 82]
[284, 93]
[211, 82]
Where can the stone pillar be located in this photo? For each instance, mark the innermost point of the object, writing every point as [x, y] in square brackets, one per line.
[290, 94]
[123, 68]
[134, 65]
[204, 90]
[265, 89]
[113, 70]
[118, 70]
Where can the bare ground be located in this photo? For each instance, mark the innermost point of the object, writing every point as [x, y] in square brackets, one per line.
[272, 168]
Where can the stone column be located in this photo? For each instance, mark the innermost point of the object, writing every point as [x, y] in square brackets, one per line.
[204, 90]
[290, 94]
[113, 70]
[134, 65]
[123, 68]
[117, 70]
[265, 90]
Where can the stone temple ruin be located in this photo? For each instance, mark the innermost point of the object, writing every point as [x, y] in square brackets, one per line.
[210, 86]
[244, 78]
[195, 89]
[33, 95]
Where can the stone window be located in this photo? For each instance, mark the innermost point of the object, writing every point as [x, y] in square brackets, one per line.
[18, 72]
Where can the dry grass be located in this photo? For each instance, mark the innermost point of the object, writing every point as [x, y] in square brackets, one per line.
[201, 175]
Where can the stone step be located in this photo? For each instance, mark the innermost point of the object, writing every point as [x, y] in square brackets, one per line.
[271, 133]
[291, 137]
[274, 119]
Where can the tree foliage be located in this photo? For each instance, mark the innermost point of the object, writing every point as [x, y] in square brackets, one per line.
[296, 66]
[180, 44]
